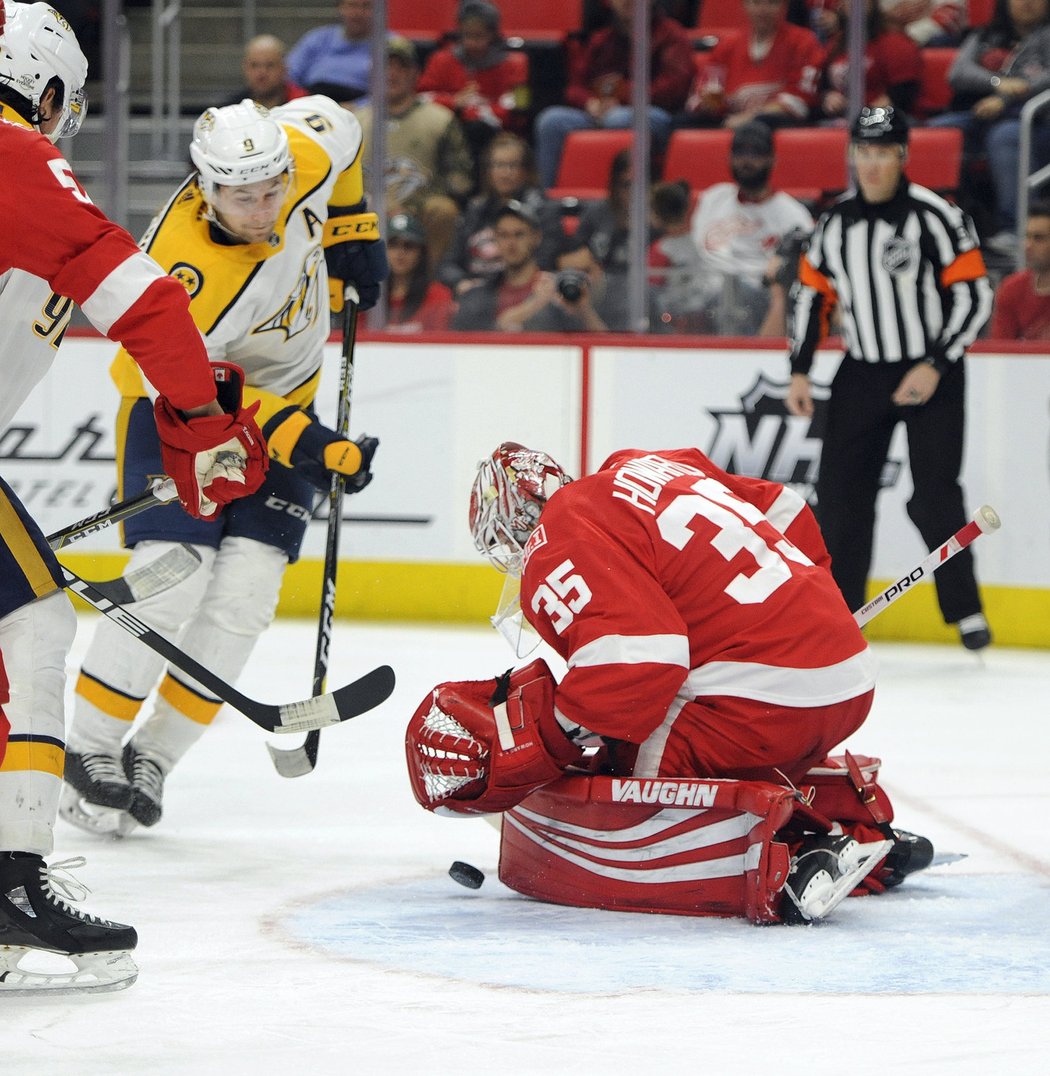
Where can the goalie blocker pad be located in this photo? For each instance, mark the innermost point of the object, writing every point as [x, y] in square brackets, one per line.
[481, 746]
[679, 846]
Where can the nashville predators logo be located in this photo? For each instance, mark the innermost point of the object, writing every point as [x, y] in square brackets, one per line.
[189, 276]
[300, 310]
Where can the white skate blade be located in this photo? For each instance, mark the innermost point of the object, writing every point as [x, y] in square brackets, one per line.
[91, 818]
[823, 895]
[26, 972]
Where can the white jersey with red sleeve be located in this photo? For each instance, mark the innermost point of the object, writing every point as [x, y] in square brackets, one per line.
[51, 230]
[662, 579]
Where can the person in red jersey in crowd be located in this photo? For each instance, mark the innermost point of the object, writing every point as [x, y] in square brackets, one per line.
[1021, 309]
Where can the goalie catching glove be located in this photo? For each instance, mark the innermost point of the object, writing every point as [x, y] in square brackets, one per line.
[481, 746]
[355, 254]
[297, 440]
[213, 459]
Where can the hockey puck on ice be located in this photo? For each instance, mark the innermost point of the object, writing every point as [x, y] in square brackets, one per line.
[466, 875]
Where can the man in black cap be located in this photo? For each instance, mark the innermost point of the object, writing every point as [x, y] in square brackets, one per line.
[737, 228]
[903, 267]
[522, 289]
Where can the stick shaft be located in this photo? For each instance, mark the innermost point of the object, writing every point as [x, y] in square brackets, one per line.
[162, 493]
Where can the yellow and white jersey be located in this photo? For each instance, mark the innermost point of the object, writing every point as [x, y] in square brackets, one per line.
[264, 306]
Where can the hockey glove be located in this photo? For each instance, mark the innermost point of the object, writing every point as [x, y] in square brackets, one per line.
[213, 459]
[355, 254]
[481, 746]
[297, 440]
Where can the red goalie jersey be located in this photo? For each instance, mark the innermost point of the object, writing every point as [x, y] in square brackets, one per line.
[697, 616]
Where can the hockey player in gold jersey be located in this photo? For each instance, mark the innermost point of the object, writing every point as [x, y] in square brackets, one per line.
[275, 208]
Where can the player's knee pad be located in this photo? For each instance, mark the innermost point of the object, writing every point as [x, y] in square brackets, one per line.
[35, 640]
[245, 585]
[682, 846]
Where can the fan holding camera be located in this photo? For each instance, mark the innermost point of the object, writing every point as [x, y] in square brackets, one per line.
[579, 295]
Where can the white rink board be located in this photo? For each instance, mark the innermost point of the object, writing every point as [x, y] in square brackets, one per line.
[439, 408]
[666, 398]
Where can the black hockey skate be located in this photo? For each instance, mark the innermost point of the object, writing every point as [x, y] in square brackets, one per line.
[824, 871]
[910, 853]
[36, 921]
[99, 779]
[147, 782]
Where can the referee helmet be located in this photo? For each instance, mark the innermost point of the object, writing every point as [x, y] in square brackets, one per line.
[881, 126]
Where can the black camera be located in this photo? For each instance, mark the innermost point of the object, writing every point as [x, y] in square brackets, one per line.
[571, 284]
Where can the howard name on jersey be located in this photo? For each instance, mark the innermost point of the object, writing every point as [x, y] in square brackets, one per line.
[662, 576]
[268, 314]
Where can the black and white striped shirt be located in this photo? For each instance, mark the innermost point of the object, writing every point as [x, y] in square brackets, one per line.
[906, 274]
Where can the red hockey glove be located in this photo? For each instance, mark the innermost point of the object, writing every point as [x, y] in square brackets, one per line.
[213, 459]
[298, 440]
[480, 746]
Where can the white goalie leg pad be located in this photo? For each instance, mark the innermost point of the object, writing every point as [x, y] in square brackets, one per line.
[35, 641]
[118, 671]
[239, 607]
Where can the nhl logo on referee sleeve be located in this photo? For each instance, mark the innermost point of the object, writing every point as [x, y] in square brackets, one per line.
[899, 255]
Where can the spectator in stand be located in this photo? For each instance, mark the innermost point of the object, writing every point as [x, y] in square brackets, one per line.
[506, 301]
[892, 67]
[603, 225]
[579, 297]
[998, 68]
[1022, 301]
[429, 170]
[415, 301]
[769, 72]
[599, 91]
[479, 78]
[675, 268]
[936, 23]
[336, 60]
[507, 174]
[737, 228]
[266, 80]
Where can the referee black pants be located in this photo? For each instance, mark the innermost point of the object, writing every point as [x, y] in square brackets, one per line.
[861, 418]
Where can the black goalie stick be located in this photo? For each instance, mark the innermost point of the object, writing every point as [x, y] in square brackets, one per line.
[298, 761]
[314, 713]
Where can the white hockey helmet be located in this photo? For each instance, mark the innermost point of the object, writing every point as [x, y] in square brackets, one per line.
[36, 46]
[509, 493]
[237, 145]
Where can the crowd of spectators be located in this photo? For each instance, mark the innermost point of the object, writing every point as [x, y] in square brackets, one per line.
[479, 243]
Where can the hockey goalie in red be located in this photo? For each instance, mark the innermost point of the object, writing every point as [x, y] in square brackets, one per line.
[682, 763]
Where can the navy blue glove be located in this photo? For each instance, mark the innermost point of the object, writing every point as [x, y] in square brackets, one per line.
[355, 254]
[296, 439]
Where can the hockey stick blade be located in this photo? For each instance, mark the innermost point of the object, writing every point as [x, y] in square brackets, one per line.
[984, 521]
[315, 713]
[165, 572]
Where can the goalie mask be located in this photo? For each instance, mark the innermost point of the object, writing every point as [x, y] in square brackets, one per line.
[509, 493]
[38, 49]
[237, 145]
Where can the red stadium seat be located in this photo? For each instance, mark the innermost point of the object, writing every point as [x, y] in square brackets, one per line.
[721, 13]
[542, 18]
[586, 159]
[935, 94]
[935, 157]
[810, 161]
[413, 19]
[700, 157]
[979, 12]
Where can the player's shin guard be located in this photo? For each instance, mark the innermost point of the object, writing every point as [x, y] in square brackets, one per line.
[35, 640]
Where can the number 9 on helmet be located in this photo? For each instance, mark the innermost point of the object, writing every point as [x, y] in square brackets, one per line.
[509, 493]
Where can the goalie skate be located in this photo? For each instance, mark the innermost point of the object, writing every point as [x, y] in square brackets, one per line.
[92, 817]
[824, 871]
[49, 947]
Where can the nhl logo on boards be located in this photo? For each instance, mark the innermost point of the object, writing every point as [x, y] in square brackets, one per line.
[899, 256]
[758, 438]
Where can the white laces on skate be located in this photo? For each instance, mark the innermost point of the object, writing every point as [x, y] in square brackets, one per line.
[56, 877]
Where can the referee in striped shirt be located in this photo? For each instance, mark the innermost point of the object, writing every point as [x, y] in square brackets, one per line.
[903, 267]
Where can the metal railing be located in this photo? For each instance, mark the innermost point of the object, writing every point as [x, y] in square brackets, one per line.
[1028, 180]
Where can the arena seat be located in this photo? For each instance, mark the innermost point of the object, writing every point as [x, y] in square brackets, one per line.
[810, 162]
[542, 18]
[699, 157]
[432, 19]
[721, 13]
[935, 94]
[585, 162]
[935, 157]
[979, 13]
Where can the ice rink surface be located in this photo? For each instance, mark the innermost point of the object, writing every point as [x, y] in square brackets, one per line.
[309, 927]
